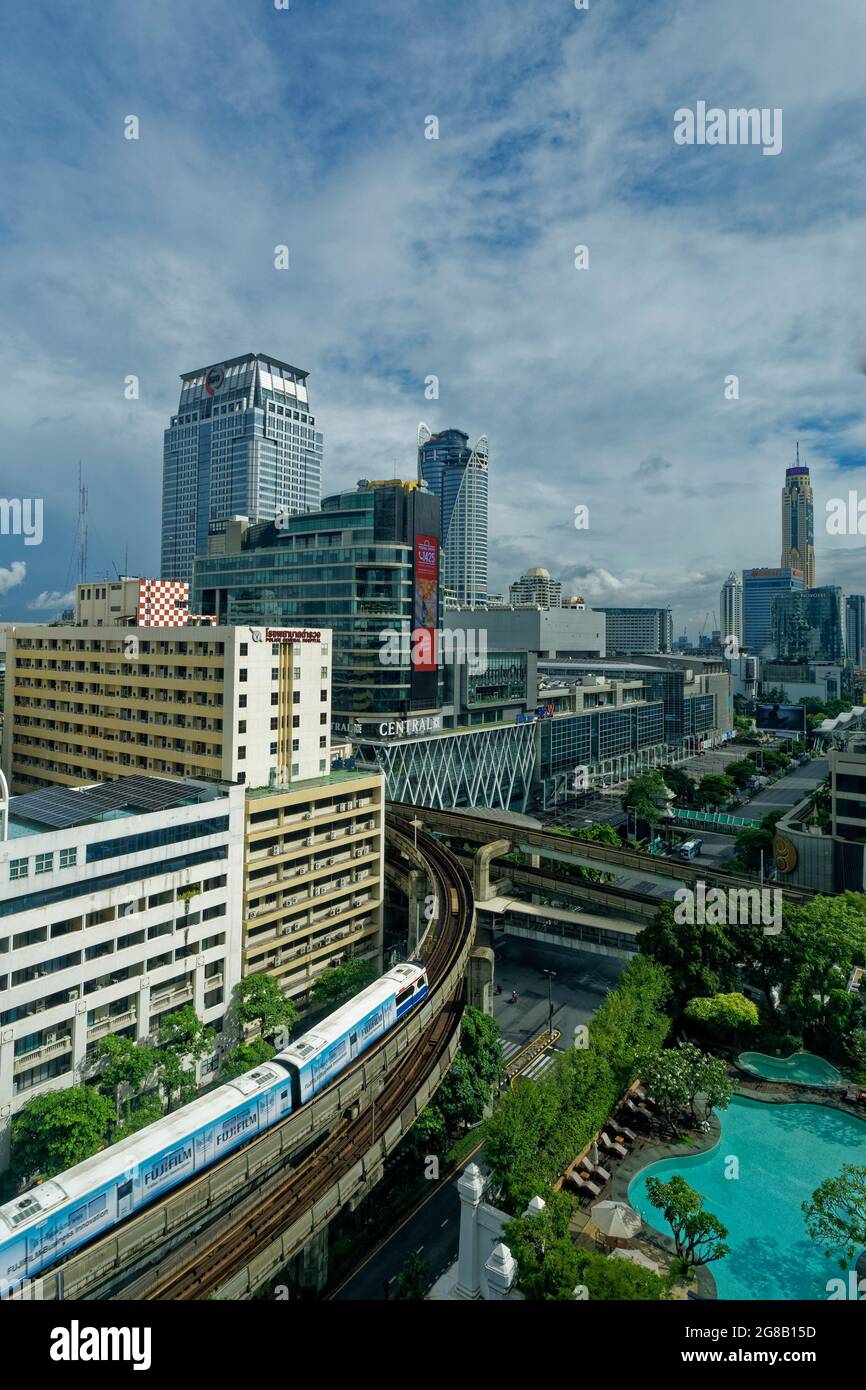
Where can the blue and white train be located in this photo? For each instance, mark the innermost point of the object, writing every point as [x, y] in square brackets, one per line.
[53, 1219]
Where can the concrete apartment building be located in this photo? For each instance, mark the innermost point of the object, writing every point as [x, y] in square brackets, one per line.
[249, 705]
[119, 903]
[136, 602]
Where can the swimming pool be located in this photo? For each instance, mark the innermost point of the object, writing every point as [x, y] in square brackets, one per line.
[802, 1067]
[784, 1153]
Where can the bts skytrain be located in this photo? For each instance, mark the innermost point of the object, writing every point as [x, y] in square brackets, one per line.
[56, 1217]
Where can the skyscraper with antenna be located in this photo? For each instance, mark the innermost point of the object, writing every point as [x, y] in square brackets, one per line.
[798, 524]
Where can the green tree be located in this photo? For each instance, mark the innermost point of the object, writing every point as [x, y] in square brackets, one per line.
[740, 772]
[836, 1213]
[259, 999]
[681, 784]
[480, 1041]
[182, 1039]
[413, 1279]
[247, 1056]
[723, 1015]
[822, 942]
[699, 959]
[699, 1236]
[55, 1131]
[127, 1067]
[751, 840]
[715, 790]
[675, 1076]
[335, 986]
[775, 696]
[647, 796]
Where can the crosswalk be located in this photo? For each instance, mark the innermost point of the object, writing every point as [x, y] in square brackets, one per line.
[535, 1069]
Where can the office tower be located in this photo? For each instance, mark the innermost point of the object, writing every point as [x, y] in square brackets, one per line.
[731, 608]
[243, 442]
[760, 587]
[639, 630]
[855, 628]
[535, 589]
[808, 625]
[370, 561]
[96, 938]
[798, 538]
[457, 475]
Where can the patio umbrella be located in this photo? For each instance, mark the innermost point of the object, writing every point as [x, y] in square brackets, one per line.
[637, 1257]
[617, 1220]
[593, 1153]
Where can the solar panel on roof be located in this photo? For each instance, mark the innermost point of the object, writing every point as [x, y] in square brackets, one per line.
[63, 807]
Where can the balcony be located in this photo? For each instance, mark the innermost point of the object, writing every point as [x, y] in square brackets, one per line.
[112, 1024]
[25, 1060]
[162, 999]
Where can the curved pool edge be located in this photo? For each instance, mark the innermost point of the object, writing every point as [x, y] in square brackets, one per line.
[652, 1152]
[836, 1081]
[632, 1166]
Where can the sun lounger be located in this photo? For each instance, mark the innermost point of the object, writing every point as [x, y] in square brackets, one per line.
[588, 1186]
[599, 1172]
[626, 1133]
[610, 1147]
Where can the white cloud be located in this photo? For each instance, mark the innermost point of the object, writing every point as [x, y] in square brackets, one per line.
[13, 576]
[48, 601]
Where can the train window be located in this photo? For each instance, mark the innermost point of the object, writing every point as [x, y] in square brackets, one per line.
[98, 1204]
[404, 994]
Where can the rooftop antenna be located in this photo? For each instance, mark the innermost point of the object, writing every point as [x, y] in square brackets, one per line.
[82, 527]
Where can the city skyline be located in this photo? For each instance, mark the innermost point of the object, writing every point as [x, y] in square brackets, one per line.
[590, 396]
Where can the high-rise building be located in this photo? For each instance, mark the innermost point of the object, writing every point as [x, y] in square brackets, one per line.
[638, 630]
[535, 589]
[458, 476]
[798, 526]
[731, 609]
[855, 628]
[121, 903]
[760, 587]
[808, 625]
[243, 442]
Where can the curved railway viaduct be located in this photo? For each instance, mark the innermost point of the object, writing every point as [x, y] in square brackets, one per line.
[227, 1232]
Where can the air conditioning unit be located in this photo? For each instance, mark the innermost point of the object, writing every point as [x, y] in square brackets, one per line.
[308, 815]
[309, 840]
[332, 834]
[276, 849]
[50, 1038]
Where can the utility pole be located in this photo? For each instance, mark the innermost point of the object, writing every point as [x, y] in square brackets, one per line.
[551, 976]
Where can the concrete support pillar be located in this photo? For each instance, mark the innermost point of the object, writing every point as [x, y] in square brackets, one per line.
[481, 867]
[142, 1021]
[79, 1039]
[479, 985]
[470, 1189]
[310, 1267]
[419, 890]
[501, 1269]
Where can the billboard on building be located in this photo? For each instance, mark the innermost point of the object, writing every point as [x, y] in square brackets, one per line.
[782, 719]
[426, 604]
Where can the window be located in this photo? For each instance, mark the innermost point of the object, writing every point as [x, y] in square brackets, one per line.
[323, 719]
[242, 673]
[296, 673]
[296, 721]
[323, 694]
[242, 726]
[275, 673]
[296, 745]
[321, 764]
[242, 752]
[68, 858]
[296, 767]
[242, 702]
[274, 723]
[275, 699]
[273, 748]
[44, 863]
[296, 697]
[323, 741]
[244, 648]
[18, 868]
[324, 673]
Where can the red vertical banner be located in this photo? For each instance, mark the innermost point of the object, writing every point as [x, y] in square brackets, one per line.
[426, 603]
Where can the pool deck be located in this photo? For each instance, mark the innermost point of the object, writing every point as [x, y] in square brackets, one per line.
[651, 1150]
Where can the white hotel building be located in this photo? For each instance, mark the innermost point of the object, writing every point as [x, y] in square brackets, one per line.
[119, 903]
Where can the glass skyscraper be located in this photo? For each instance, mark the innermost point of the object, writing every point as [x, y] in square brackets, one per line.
[243, 443]
[808, 626]
[798, 526]
[760, 588]
[458, 476]
[855, 627]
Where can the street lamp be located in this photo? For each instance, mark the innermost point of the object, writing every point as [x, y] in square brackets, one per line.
[551, 976]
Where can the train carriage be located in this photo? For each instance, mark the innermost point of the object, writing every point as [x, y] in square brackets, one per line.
[320, 1055]
[55, 1218]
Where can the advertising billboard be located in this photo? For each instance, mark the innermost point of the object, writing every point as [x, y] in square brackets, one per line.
[426, 605]
[781, 719]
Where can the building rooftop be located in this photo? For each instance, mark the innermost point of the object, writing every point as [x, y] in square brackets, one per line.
[61, 808]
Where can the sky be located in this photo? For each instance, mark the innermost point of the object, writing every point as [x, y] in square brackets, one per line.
[604, 387]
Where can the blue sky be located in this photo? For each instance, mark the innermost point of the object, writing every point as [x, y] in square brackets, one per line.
[453, 257]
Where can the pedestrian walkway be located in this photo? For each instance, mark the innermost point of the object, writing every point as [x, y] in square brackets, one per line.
[535, 1069]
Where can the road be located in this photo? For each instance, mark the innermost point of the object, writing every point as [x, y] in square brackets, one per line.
[581, 983]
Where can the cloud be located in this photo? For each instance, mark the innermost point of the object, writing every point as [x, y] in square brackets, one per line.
[49, 601]
[13, 576]
[651, 469]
